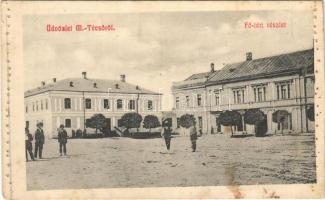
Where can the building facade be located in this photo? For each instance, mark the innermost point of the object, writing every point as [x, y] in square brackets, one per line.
[278, 83]
[74, 100]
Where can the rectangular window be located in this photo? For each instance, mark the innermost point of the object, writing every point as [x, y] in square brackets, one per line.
[217, 98]
[255, 95]
[177, 102]
[132, 105]
[187, 101]
[119, 104]
[27, 124]
[36, 106]
[46, 104]
[199, 100]
[150, 105]
[259, 93]
[283, 92]
[106, 104]
[41, 105]
[67, 103]
[67, 123]
[88, 103]
[239, 95]
[33, 107]
[26, 109]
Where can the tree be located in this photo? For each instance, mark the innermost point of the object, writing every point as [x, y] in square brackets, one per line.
[131, 120]
[279, 116]
[186, 121]
[230, 118]
[97, 121]
[255, 117]
[151, 121]
[311, 113]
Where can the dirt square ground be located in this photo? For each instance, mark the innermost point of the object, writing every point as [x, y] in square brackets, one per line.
[219, 160]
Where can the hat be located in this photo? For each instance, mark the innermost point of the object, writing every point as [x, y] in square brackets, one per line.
[61, 126]
[39, 124]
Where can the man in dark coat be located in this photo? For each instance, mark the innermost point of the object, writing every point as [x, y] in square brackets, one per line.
[62, 139]
[166, 133]
[28, 145]
[193, 137]
[39, 140]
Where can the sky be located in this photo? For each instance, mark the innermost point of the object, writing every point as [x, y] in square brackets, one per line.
[154, 50]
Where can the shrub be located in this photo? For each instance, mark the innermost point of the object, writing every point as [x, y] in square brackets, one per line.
[97, 121]
[311, 113]
[256, 117]
[131, 120]
[151, 121]
[186, 121]
[230, 118]
[279, 116]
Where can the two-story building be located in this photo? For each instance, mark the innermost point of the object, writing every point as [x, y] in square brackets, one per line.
[72, 101]
[278, 83]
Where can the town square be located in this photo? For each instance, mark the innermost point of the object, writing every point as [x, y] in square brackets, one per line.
[219, 160]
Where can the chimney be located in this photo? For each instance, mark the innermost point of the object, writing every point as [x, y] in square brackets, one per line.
[212, 67]
[84, 75]
[95, 85]
[249, 56]
[122, 76]
[116, 86]
[137, 87]
[54, 80]
[43, 83]
[71, 84]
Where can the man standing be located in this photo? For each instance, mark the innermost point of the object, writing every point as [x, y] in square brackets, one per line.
[39, 140]
[193, 137]
[62, 139]
[28, 145]
[166, 133]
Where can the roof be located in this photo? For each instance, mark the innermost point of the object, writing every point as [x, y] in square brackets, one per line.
[199, 76]
[195, 80]
[253, 69]
[87, 85]
[279, 64]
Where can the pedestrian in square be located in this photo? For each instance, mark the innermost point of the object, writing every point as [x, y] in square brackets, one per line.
[62, 139]
[193, 137]
[39, 140]
[166, 133]
[28, 145]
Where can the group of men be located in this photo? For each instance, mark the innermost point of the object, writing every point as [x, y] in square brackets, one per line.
[166, 133]
[40, 140]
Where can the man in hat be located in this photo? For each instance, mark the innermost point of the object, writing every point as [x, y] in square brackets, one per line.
[39, 140]
[62, 139]
[28, 145]
[166, 133]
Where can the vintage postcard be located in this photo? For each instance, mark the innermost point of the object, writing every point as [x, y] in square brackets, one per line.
[162, 100]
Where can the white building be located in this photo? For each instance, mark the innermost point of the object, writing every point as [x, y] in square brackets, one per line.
[282, 82]
[74, 100]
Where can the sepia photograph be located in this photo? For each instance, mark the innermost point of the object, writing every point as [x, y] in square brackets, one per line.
[169, 99]
[163, 100]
